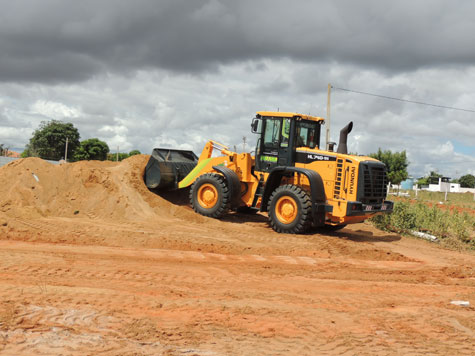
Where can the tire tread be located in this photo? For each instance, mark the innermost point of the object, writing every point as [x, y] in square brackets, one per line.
[305, 216]
[220, 182]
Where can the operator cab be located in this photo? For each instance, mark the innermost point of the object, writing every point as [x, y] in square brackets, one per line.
[281, 133]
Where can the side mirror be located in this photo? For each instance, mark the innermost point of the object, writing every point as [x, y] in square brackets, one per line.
[255, 126]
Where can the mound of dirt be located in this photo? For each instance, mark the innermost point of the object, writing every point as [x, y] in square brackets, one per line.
[34, 188]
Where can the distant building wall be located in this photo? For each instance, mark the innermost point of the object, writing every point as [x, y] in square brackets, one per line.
[447, 187]
[407, 184]
[454, 187]
[443, 186]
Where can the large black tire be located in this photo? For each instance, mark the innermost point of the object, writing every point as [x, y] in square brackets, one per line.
[290, 209]
[209, 195]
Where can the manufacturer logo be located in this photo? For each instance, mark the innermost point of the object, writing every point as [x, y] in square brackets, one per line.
[352, 180]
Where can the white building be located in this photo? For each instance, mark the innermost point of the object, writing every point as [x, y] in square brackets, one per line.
[443, 186]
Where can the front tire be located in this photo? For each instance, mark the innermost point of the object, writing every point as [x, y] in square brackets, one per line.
[290, 209]
[209, 195]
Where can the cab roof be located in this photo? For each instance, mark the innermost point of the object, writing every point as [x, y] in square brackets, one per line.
[291, 115]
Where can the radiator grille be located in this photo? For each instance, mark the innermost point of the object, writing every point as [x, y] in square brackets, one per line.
[339, 173]
[373, 182]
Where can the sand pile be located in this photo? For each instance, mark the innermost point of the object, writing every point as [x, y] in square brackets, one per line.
[34, 188]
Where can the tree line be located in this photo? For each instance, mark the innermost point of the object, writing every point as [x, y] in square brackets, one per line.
[397, 163]
[50, 140]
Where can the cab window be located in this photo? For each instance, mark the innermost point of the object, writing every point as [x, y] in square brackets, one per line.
[285, 133]
[272, 133]
[307, 134]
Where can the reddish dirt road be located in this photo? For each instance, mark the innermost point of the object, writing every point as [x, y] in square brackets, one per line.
[91, 263]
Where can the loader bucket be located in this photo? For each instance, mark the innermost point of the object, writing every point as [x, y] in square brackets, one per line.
[166, 167]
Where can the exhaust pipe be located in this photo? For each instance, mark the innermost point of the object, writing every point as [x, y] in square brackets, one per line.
[342, 148]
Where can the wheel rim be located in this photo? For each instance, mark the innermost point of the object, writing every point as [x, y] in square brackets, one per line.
[286, 210]
[207, 196]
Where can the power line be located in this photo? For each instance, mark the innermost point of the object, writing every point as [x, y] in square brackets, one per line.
[404, 100]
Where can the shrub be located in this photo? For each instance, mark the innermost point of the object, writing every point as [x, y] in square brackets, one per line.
[453, 228]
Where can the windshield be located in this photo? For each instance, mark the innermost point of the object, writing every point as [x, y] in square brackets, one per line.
[308, 134]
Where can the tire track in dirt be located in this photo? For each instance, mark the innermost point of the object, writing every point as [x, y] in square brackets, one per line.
[195, 237]
[163, 254]
[47, 331]
[201, 295]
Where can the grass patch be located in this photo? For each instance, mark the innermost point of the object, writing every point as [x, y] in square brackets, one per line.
[454, 229]
[465, 200]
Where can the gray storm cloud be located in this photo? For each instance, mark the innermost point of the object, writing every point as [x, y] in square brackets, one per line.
[51, 41]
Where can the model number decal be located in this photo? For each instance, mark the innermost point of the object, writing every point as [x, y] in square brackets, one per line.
[315, 157]
[309, 157]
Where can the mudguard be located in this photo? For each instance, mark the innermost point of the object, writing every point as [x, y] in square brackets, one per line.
[317, 190]
[234, 185]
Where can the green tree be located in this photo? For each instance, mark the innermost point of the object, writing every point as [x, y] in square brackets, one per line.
[432, 178]
[423, 181]
[467, 181]
[49, 140]
[92, 149]
[134, 152]
[396, 164]
[113, 156]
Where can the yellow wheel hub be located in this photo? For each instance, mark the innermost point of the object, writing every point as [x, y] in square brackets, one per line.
[207, 196]
[286, 210]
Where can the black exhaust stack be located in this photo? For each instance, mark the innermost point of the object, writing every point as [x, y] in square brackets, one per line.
[342, 148]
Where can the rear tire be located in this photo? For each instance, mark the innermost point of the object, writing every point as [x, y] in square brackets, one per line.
[209, 195]
[290, 209]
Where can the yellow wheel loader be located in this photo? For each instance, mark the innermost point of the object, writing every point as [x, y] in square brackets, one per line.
[290, 177]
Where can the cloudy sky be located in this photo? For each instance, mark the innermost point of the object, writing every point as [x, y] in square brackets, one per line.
[144, 74]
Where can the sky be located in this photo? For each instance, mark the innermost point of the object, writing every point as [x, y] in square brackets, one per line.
[144, 74]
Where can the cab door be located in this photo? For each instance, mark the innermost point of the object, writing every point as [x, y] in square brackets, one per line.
[274, 147]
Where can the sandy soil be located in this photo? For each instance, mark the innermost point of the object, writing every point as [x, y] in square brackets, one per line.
[92, 263]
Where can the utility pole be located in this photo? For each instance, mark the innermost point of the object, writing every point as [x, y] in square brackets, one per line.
[244, 143]
[66, 151]
[328, 116]
[117, 155]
